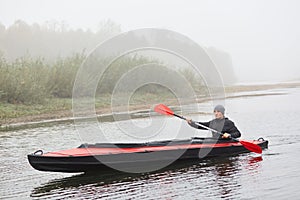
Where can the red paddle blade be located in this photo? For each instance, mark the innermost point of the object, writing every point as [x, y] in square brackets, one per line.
[251, 147]
[163, 109]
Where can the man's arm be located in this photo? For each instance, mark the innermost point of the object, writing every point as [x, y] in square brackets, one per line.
[234, 131]
[193, 124]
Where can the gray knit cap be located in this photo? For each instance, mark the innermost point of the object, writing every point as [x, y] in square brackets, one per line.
[220, 108]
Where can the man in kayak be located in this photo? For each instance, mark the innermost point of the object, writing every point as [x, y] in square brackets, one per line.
[220, 123]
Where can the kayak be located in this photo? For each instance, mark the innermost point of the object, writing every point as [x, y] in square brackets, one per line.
[132, 157]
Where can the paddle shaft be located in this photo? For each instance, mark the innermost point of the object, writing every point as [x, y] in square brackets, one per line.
[198, 124]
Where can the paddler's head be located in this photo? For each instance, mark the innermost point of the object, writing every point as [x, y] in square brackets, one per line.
[219, 112]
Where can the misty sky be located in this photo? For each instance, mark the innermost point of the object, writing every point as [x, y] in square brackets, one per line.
[262, 36]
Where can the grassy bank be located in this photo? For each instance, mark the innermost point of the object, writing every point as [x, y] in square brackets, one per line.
[57, 108]
[10, 113]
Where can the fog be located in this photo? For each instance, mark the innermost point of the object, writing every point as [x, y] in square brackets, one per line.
[262, 37]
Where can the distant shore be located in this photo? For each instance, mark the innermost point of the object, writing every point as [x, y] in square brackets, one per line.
[260, 87]
[64, 113]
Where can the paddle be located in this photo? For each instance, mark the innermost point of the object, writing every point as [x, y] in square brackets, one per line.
[163, 109]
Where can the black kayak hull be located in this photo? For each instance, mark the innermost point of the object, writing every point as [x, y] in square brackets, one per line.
[138, 161]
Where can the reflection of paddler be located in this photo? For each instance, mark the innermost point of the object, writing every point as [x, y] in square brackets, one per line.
[220, 123]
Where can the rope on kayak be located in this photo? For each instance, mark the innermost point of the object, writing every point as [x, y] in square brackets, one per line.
[261, 139]
[38, 152]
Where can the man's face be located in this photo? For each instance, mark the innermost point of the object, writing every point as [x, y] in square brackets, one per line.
[218, 114]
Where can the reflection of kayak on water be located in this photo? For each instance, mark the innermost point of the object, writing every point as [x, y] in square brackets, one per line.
[223, 166]
[135, 156]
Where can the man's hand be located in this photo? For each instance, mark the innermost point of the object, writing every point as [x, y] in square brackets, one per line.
[189, 121]
[226, 135]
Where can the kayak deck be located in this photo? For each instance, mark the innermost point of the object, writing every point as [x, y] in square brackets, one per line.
[88, 151]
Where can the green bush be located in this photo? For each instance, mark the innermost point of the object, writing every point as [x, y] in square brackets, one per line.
[62, 75]
[23, 81]
[30, 80]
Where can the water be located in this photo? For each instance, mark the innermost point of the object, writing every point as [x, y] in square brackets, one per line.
[275, 175]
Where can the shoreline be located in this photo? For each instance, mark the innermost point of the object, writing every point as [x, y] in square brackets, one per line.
[65, 116]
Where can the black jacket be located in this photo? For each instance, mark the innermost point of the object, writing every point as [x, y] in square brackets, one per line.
[222, 125]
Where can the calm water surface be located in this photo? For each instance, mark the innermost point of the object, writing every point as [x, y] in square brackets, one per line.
[274, 175]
